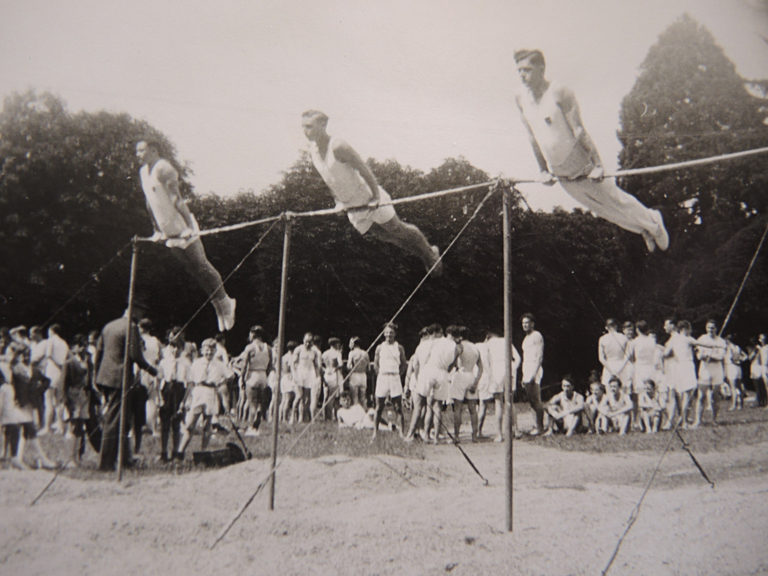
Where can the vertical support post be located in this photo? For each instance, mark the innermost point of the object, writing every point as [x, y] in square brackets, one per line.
[280, 345]
[127, 362]
[508, 391]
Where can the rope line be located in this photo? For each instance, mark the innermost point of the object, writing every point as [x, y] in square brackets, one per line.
[321, 409]
[687, 163]
[636, 510]
[690, 453]
[227, 277]
[744, 280]
[455, 442]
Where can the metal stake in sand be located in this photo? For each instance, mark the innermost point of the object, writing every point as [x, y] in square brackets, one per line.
[280, 338]
[127, 364]
[508, 403]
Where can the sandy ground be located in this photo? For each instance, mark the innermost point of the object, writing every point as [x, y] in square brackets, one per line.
[386, 515]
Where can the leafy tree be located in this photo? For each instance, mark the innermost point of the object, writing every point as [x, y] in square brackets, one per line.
[688, 103]
[69, 200]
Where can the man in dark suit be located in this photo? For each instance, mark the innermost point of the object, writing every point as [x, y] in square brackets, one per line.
[110, 351]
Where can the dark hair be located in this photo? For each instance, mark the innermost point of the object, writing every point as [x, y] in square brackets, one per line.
[528, 316]
[315, 114]
[150, 141]
[535, 56]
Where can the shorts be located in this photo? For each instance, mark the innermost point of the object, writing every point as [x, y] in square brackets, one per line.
[358, 380]
[536, 377]
[332, 378]
[430, 380]
[389, 385]
[711, 373]
[733, 373]
[460, 383]
[307, 379]
[683, 377]
[645, 372]
[204, 401]
[362, 220]
[287, 385]
[256, 379]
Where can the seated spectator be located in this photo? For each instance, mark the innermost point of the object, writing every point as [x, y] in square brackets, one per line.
[650, 407]
[355, 416]
[615, 409]
[592, 403]
[565, 409]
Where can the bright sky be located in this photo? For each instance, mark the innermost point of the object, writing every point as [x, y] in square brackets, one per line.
[417, 81]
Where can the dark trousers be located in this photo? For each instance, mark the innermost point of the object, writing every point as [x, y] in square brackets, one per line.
[137, 413]
[172, 394]
[111, 430]
[762, 393]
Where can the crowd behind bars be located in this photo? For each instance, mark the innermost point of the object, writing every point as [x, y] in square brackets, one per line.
[645, 384]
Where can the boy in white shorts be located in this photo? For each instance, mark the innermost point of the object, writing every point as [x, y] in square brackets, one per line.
[205, 375]
[491, 385]
[469, 371]
[357, 364]
[711, 354]
[389, 364]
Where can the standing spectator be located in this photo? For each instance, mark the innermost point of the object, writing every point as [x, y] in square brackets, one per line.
[306, 374]
[76, 389]
[288, 385]
[491, 385]
[357, 364]
[710, 351]
[174, 375]
[681, 347]
[18, 407]
[469, 371]
[110, 351]
[332, 376]
[205, 376]
[390, 365]
[614, 353]
[148, 390]
[256, 362]
[56, 353]
[533, 370]
[734, 357]
[762, 380]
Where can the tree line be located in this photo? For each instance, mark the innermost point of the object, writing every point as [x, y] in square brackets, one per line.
[70, 202]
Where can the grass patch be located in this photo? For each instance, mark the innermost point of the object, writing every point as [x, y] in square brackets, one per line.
[322, 439]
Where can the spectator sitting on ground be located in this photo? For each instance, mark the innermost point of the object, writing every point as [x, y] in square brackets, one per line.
[565, 409]
[614, 409]
[592, 403]
[355, 416]
[650, 407]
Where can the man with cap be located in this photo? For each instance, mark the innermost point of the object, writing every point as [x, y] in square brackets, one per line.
[109, 363]
[564, 150]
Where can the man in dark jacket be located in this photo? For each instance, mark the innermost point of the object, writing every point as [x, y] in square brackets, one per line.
[110, 353]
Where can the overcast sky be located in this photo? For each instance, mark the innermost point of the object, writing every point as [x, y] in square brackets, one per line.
[417, 81]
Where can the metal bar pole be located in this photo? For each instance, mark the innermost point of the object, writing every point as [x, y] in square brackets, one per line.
[280, 344]
[127, 363]
[508, 392]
